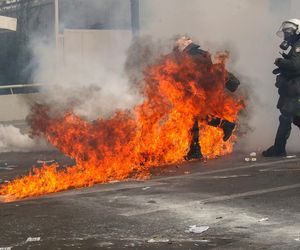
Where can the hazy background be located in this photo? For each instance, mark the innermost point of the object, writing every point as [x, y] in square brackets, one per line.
[97, 86]
[247, 29]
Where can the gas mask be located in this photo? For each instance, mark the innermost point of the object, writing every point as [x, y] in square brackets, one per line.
[289, 38]
[287, 31]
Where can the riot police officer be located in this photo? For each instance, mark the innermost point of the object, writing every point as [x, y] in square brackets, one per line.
[288, 84]
[185, 45]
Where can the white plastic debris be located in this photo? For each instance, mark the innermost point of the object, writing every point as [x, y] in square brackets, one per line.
[158, 240]
[253, 154]
[263, 219]
[145, 188]
[203, 241]
[33, 239]
[5, 248]
[291, 156]
[105, 244]
[247, 159]
[187, 172]
[253, 159]
[297, 239]
[197, 230]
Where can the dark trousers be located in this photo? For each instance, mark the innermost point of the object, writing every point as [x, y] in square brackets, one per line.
[284, 130]
[212, 121]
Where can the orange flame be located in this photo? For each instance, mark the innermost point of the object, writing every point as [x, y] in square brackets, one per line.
[130, 142]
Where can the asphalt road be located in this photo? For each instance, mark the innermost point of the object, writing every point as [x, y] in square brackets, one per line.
[246, 205]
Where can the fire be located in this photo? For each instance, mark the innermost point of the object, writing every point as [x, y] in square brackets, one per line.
[154, 133]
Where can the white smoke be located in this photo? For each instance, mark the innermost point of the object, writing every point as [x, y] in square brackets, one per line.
[12, 140]
[96, 86]
[246, 29]
[88, 76]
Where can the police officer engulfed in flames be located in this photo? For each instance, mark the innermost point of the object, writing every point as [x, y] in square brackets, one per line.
[184, 45]
[288, 84]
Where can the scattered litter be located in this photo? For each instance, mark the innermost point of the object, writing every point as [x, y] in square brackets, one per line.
[158, 241]
[203, 241]
[45, 162]
[250, 159]
[145, 188]
[172, 171]
[253, 154]
[291, 156]
[187, 172]
[105, 244]
[197, 230]
[297, 239]
[5, 248]
[33, 239]
[218, 218]
[5, 163]
[263, 219]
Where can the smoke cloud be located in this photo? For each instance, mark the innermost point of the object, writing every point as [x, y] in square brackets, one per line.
[94, 82]
[12, 140]
[247, 30]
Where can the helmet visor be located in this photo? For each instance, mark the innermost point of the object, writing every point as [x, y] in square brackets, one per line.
[286, 27]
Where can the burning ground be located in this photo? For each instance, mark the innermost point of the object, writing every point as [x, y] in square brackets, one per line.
[126, 145]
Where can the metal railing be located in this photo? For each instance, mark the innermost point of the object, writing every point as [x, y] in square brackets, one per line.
[11, 88]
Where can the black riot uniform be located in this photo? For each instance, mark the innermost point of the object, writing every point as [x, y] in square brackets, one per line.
[288, 84]
[203, 58]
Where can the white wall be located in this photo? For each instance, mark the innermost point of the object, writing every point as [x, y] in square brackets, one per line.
[15, 107]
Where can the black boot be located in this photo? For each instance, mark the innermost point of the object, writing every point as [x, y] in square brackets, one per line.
[282, 135]
[273, 152]
[195, 149]
[194, 152]
[228, 128]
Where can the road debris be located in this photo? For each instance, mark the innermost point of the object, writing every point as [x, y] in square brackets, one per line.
[158, 241]
[263, 219]
[5, 248]
[105, 244]
[291, 156]
[145, 188]
[202, 241]
[33, 239]
[251, 157]
[197, 230]
[297, 239]
[187, 172]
